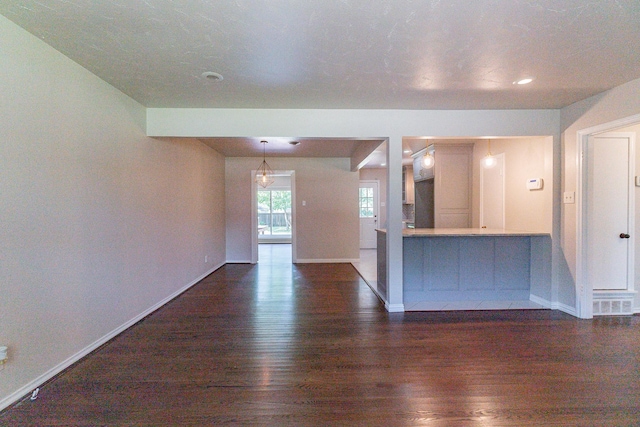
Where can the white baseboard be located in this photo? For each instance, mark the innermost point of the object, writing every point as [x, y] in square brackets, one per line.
[566, 308]
[394, 308]
[327, 261]
[235, 261]
[543, 302]
[554, 305]
[32, 385]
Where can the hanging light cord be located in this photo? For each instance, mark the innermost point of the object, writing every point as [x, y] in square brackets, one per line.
[264, 159]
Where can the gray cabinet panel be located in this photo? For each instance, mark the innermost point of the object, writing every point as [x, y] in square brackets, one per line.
[413, 253]
[382, 264]
[513, 260]
[476, 266]
[472, 268]
[443, 263]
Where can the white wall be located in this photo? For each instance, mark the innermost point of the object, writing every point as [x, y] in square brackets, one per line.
[327, 227]
[615, 104]
[524, 158]
[99, 222]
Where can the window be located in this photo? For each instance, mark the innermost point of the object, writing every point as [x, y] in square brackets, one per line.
[366, 202]
[274, 212]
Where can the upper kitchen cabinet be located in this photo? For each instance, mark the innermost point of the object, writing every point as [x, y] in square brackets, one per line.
[443, 191]
[421, 171]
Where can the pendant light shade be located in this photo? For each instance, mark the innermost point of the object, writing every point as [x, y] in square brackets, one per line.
[264, 174]
[489, 161]
[428, 160]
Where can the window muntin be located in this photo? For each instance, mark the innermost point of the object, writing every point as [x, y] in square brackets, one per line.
[366, 202]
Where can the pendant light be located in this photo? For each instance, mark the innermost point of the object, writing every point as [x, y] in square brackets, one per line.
[428, 160]
[489, 161]
[264, 174]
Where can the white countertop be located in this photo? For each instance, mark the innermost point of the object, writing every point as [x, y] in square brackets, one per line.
[463, 232]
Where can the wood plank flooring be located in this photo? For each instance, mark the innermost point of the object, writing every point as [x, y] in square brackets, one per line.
[310, 345]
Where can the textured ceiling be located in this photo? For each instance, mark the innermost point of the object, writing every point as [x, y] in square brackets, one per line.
[397, 54]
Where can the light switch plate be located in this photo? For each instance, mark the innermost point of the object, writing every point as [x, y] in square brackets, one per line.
[637, 181]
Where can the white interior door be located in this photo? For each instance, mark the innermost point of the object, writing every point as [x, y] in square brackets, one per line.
[492, 195]
[609, 212]
[368, 208]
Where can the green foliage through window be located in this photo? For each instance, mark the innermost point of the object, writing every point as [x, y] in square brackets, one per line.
[366, 202]
[274, 212]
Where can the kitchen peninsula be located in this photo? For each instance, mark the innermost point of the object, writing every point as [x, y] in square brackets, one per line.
[470, 264]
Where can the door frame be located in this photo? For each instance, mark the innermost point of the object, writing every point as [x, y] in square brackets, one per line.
[254, 215]
[584, 289]
[504, 207]
[377, 202]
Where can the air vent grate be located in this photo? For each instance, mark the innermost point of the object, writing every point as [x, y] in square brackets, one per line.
[612, 307]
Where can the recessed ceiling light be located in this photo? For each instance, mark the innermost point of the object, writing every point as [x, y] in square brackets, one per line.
[383, 164]
[523, 81]
[406, 151]
[210, 75]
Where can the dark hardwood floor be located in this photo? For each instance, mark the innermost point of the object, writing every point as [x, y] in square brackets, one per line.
[310, 345]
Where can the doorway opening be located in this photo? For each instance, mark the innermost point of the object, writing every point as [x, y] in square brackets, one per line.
[273, 214]
[606, 170]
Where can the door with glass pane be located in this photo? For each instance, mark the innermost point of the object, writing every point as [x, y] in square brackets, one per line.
[368, 207]
[274, 215]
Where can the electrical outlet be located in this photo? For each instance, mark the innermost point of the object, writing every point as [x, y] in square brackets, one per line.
[206, 259]
[569, 197]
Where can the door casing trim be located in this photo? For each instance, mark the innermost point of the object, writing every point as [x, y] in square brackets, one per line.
[254, 216]
[584, 291]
